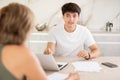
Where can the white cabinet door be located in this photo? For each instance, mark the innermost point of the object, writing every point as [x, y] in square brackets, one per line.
[109, 44]
[110, 49]
[38, 47]
[37, 42]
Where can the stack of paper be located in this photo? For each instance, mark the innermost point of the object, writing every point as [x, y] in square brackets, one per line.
[90, 66]
[57, 76]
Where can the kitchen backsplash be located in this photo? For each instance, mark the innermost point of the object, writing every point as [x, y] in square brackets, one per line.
[95, 13]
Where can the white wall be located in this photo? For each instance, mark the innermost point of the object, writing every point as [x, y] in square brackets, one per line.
[104, 11]
[94, 15]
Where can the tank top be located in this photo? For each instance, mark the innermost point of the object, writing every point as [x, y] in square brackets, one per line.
[4, 73]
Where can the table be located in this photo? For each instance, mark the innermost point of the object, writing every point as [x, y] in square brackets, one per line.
[105, 74]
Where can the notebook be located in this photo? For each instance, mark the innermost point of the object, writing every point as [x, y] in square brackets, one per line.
[48, 62]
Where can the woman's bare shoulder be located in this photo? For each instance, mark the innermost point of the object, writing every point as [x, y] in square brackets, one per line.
[19, 53]
[23, 61]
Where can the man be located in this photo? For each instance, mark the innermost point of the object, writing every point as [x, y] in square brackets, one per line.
[70, 39]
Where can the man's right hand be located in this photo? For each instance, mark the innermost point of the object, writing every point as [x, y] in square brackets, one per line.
[48, 51]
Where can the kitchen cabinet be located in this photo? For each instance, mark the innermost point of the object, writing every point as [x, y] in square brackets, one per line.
[109, 43]
[37, 42]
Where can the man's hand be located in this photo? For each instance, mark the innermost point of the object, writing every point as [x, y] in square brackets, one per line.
[83, 54]
[73, 76]
[48, 51]
[50, 48]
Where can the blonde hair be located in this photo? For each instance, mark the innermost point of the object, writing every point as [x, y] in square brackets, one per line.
[15, 22]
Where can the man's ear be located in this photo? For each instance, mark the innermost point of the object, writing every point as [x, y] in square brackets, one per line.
[63, 17]
[78, 16]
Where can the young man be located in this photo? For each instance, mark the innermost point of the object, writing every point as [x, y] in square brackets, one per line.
[70, 39]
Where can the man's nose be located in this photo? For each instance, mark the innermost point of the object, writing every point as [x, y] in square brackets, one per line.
[71, 18]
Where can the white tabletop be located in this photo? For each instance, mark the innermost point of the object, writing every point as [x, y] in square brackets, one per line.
[105, 74]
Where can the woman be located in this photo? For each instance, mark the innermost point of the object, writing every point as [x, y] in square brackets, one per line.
[16, 61]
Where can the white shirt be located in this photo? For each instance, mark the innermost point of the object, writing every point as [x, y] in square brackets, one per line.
[69, 44]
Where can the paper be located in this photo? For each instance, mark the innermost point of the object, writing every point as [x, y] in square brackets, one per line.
[90, 66]
[57, 76]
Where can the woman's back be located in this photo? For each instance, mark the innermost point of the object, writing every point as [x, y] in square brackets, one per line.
[18, 61]
[4, 73]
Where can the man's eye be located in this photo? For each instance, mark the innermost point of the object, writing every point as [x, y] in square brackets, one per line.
[68, 15]
[74, 16]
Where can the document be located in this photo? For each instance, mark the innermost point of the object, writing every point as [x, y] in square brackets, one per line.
[90, 66]
[57, 76]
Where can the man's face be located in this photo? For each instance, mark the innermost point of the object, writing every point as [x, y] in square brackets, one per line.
[70, 18]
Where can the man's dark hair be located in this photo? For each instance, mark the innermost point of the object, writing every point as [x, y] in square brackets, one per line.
[70, 7]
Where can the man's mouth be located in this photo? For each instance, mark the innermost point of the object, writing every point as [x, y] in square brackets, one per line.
[71, 23]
